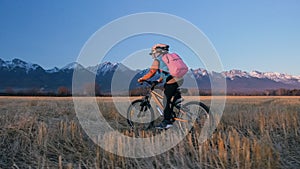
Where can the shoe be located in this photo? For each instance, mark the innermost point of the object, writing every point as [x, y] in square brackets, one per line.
[165, 124]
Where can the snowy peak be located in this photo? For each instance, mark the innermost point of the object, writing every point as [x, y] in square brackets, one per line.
[275, 76]
[54, 70]
[72, 66]
[200, 71]
[235, 73]
[106, 66]
[17, 63]
[103, 67]
[257, 74]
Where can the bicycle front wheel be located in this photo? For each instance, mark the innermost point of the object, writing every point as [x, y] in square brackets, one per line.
[195, 112]
[140, 115]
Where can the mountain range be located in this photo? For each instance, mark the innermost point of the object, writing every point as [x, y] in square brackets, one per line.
[18, 75]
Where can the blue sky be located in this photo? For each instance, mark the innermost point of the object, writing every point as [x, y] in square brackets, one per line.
[248, 35]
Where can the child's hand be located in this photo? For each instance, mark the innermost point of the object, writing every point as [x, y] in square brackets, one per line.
[140, 80]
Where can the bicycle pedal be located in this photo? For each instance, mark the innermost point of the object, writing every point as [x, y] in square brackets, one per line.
[179, 119]
[180, 100]
[178, 106]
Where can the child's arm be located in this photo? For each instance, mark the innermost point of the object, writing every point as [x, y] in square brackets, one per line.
[153, 69]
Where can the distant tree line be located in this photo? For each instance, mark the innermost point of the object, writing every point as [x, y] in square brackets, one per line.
[88, 89]
[270, 92]
[95, 90]
[283, 92]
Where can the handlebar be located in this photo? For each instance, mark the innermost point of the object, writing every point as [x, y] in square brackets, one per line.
[151, 83]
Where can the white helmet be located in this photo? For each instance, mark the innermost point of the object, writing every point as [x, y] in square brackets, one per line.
[160, 48]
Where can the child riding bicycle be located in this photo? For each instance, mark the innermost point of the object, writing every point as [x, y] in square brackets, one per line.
[171, 83]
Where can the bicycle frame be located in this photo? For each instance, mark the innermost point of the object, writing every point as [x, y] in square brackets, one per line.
[156, 96]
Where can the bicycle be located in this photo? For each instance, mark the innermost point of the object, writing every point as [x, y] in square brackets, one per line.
[140, 113]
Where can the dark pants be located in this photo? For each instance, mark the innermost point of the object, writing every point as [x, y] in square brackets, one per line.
[170, 91]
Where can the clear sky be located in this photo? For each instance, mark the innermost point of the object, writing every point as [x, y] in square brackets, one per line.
[261, 35]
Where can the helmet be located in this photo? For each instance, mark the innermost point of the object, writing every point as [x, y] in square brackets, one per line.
[162, 48]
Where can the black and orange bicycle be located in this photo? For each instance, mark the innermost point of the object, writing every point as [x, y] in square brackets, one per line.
[140, 113]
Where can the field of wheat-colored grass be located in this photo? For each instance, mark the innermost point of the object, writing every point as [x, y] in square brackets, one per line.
[254, 132]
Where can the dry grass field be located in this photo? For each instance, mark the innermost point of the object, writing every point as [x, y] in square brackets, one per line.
[254, 132]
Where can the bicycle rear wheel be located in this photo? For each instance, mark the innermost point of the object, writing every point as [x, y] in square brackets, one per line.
[140, 115]
[195, 113]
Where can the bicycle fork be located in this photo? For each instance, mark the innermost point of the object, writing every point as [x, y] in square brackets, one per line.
[143, 109]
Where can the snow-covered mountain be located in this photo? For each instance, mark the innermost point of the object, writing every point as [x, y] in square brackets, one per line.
[17, 63]
[103, 68]
[278, 77]
[72, 66]
[20, 74]
[53, 70]
[200, 72]
[274, 76]
[235, 73]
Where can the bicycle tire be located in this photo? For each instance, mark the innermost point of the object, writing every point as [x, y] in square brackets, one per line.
[140, 116]
[195, 113]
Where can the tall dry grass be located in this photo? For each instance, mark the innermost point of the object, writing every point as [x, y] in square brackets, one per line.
[45, 133]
